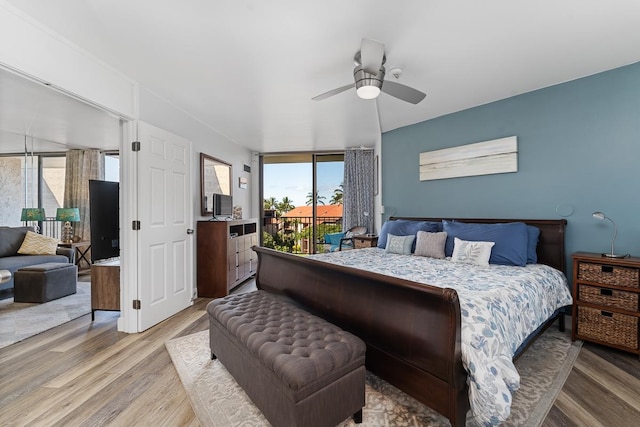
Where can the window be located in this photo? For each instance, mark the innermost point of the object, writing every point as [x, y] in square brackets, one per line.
[302, 200]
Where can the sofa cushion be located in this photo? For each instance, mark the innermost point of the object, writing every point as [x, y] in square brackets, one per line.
[10, 240]
[37, 244]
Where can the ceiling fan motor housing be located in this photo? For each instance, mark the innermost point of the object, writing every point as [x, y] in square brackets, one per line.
[368, 85]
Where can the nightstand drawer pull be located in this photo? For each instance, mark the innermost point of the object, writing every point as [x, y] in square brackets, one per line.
[607, 292]
[607, 269]
[606, 313]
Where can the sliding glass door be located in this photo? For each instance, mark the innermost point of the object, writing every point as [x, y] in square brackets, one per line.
[302, 200]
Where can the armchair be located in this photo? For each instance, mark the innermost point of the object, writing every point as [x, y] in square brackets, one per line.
[347, 241]
[332, 241]
[343, 240]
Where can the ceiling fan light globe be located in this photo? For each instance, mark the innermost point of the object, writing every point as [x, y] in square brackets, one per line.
[368, 92]
[368, 85]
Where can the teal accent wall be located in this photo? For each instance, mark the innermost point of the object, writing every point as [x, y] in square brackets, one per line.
[578, 152]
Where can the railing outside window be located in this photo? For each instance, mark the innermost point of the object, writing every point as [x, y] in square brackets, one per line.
[51, 227]
[295, 234]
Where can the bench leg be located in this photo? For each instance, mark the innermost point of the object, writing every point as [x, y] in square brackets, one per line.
[213, 356]
[357, 417]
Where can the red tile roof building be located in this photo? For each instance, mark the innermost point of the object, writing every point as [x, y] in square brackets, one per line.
[322, 211]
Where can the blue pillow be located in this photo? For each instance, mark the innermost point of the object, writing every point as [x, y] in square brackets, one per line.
[511, 240]
[533, 236]
[405, 227]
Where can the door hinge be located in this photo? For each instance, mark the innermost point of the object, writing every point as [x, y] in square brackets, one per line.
[136, 304]
[135, 146]
[135, 225]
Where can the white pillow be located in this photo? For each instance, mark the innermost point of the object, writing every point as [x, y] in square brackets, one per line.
[399, 244]
[476, 253]
[37, 244]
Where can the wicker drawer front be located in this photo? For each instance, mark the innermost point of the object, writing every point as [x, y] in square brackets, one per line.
[612, 328]
[609, 274]
[360, 244]
[609, 297]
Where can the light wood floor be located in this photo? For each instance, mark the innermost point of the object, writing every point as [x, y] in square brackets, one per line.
[85, 373]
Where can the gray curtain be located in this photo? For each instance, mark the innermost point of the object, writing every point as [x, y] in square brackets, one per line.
[81, 166]
[359, 182]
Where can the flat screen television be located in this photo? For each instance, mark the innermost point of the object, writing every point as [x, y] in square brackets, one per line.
[222, 205]
[104, 214]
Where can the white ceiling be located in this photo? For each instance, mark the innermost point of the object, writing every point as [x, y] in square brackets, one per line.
[249, 68]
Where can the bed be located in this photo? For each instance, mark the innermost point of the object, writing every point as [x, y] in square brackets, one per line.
[413, 330]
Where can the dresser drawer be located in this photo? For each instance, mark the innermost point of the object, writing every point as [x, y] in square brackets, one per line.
[609, 274]
[608, 327]
[609, 297]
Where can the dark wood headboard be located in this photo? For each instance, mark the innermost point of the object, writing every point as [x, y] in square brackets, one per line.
[550, 245]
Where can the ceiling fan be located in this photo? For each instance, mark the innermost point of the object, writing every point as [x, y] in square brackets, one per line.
[369, 76]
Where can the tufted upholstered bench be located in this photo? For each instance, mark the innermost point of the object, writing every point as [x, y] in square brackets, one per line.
[45, 282]
[298, 369]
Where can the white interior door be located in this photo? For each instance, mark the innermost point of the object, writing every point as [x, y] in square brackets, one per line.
[165, 249]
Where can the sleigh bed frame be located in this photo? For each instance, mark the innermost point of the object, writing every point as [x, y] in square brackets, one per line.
[412, 330]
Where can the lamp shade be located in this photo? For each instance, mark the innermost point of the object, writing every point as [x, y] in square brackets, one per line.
[68, 214]
[32, 214]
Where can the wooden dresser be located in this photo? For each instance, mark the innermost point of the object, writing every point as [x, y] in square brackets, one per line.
[224, 255]
[605, 300]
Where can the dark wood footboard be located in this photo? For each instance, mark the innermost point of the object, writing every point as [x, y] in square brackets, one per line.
[412, 331]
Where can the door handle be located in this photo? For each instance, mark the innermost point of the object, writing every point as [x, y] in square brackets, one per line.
[189, 230]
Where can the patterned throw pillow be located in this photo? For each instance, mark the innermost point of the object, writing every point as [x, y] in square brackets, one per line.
[37, 244]
[476, 253]
[431, 244]
[399, 244]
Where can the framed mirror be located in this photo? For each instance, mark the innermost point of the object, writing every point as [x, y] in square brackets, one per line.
[215, 177]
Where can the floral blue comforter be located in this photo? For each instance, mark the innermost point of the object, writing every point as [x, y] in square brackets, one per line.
[500, 306]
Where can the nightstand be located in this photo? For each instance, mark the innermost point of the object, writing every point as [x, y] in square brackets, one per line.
[605, 300]
[365, 241]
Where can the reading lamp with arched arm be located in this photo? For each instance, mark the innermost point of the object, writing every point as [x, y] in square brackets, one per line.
[601, 216]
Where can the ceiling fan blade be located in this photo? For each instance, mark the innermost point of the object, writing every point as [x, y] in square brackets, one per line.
[371, 54]
[333, 92]
[402, 92]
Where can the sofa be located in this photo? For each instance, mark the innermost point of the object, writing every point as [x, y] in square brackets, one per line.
[11, 239]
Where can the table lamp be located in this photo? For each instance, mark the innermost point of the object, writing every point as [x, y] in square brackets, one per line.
[68, 215]
[601, 216]
[34, 215]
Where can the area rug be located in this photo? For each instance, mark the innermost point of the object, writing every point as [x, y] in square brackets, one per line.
[219, 401]
[19, 321]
